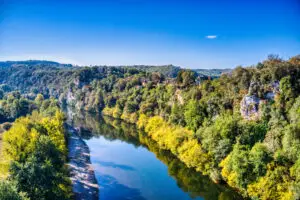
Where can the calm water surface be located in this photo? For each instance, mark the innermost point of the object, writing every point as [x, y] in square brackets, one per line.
[130, 166]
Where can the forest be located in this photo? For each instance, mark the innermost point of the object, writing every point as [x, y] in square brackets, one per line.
[242, 128]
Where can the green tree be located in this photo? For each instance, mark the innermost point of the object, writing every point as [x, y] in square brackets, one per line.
[8, 191]
[194, 115]
[176, 116]
[287, 93]
[39, 99]
[41, 174]
[186, 77]
[274, 185]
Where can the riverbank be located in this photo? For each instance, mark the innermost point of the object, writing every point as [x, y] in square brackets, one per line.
[179, 141]
[84, 183]
[129, 164]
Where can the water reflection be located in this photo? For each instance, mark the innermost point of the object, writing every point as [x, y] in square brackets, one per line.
[111, 185]
[188, 180]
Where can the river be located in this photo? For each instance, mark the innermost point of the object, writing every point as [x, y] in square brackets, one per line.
[129, 165]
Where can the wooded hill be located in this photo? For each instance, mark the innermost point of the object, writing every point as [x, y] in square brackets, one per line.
[242, 128]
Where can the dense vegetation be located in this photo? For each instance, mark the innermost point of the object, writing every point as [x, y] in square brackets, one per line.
[204, 126]
[34, 152]
[13, 105]
[166, 70]
[242, 128]
[249, 153]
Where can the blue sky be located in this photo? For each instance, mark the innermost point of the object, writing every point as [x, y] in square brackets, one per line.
[193, 34]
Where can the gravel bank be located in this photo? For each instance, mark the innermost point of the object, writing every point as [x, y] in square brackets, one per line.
[83, 178]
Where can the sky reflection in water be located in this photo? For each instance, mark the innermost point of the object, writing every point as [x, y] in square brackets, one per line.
[127, 172]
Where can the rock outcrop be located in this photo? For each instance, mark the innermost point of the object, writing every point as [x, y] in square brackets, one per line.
[250, 107]
[251, 103]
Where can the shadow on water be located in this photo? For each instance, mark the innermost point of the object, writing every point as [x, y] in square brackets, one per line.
[124, 193]
[190, 181]
[114, 165]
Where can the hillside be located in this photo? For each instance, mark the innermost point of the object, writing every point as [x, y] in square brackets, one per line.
[213, 73]
[33, 63]
[242, 128]
[167, 70]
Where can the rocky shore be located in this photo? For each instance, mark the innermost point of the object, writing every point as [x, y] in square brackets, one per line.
[84, 183]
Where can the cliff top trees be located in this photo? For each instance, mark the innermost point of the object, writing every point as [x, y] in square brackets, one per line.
[186, 78]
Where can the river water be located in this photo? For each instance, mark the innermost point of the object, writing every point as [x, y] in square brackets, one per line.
[130, 166]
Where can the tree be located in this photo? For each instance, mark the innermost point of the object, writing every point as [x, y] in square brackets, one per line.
[291, 142]
[41, 173]
[274, 58]
[157, 77]
[176, 115]
[274, 185]
[39, 99]
[19, 140]
[242, 77]
[194, 115]
[8, 191]
[286, 92]
[218, 138]
[259, 157]
[294, 113]
[186, 77]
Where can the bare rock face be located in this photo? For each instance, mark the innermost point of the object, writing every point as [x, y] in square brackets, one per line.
[82, 99]
[272, 91]
[275, 87]
[250, 107]
[251, 103]
[70, 98]
[179, 97]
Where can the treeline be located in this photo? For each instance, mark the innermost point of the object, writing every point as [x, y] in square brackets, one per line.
[35, 154]
[13, 105]
[54, 79]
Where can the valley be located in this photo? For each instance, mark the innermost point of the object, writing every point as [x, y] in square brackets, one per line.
[239, 129]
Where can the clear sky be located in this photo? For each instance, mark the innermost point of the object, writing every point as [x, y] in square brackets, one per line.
[193, 34]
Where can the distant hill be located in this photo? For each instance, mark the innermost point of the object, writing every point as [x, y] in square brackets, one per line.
[33, 63]
[170, 71]
[213, 73]
[167, 70]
